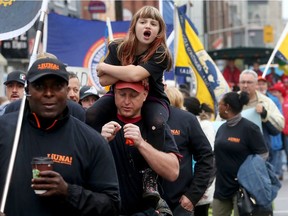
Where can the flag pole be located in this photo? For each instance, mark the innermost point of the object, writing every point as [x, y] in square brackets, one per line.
[110, 32]
[33, 57]
[176, 35]
[282, 37]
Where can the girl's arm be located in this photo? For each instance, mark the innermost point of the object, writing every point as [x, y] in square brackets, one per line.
[129, 73]
[106, 80]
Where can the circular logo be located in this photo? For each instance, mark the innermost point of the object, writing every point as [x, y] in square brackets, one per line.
[96, 54]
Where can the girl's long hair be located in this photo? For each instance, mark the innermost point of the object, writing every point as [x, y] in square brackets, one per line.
[127, 47]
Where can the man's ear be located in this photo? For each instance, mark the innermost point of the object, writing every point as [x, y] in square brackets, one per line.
[145, 95]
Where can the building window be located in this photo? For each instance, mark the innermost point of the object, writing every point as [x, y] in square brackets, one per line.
[72, 5]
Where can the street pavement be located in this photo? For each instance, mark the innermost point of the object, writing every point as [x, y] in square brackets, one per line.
[281, 201]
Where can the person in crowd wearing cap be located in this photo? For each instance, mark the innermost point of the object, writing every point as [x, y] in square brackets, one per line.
[183, 194]
[14, 87]
[142, 54]
[84, 178]
[279, 91]
[88, 96]
[73, 87]
[127, 134]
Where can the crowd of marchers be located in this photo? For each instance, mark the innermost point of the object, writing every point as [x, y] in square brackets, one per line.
[141, 149]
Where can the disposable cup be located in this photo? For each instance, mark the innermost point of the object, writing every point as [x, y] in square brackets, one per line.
[41, 164]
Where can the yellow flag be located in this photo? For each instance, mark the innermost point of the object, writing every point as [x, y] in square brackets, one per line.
[192, 58]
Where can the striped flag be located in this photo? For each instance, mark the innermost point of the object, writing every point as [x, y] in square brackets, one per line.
[191, 58]
[282, 52]
[16, 17]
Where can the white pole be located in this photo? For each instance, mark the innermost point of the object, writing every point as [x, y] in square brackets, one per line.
[110, 32]
[45, 33]
[283, 35]
[43, 12]
[161, 7]
[176, 38]
[21, 111]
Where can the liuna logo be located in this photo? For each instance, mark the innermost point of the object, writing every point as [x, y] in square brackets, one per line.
[6, 2]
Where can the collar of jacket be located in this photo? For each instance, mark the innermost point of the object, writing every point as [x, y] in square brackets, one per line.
[45, 124]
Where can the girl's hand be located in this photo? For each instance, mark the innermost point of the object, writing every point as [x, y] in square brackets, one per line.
[99, 69]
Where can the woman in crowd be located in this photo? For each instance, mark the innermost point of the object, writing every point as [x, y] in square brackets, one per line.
[235, 140]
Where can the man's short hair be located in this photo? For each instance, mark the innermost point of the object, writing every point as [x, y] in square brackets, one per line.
[46, 55]
[248, 71]
[72, 75]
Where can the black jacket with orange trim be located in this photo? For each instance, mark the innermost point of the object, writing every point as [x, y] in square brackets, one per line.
[81, 156]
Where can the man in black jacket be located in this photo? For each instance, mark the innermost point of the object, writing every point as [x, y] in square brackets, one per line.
[84, 179]
[183, 194]
[133, 154]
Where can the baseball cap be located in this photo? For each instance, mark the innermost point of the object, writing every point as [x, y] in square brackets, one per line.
[47, 66]
[86, 91]
[137, 86]
[279, 87]
[260, 78]
[16, 76]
